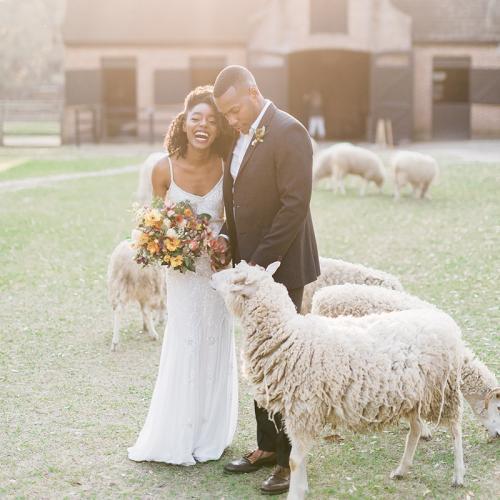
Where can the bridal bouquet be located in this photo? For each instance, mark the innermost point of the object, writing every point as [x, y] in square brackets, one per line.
[173, 235]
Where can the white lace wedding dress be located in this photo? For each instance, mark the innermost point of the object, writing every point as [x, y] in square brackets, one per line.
[193, 412]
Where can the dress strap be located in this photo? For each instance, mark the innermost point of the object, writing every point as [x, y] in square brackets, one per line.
[171, 170]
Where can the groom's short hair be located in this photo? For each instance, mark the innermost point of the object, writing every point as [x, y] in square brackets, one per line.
[232, 76]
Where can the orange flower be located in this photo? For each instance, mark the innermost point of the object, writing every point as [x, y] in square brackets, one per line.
[142, 239]
[176, 261]
[173, 244]
[153, 218]
[188, 212]
[153, 247]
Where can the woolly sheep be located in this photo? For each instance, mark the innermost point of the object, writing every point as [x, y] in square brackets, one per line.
[478, 382]
[361, 373]
[342, 159]
[413, 168]
[130, 282]
[338, 272]
[144, 193]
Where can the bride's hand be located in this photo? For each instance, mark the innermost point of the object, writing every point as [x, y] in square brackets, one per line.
[221, 254]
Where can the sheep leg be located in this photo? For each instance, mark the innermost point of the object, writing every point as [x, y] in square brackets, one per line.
[459, 468]
[298, 471]
[340, 183]
[423, 192]
[364, 185]
[426, 433]
[148, 323]
[396, 191]
[116, 328]
[410, 447]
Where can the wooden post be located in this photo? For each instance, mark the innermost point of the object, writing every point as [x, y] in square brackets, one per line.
[1, 122]
[380, 137]
[388, 133]
[94, 124]
[77, 126]
[151, 126]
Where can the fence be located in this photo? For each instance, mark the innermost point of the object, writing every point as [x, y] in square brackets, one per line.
[30, 120]
[100, 123]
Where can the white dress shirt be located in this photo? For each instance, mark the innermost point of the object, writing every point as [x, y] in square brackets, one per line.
[244, 141]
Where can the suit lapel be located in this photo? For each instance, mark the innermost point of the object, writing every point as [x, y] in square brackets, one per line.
[266, 119]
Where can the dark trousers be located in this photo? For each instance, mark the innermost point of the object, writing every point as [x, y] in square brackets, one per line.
[268, 438]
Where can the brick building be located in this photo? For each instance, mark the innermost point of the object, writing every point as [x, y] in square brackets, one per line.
[431, 66]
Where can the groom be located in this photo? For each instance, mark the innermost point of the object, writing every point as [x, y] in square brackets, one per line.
[267, 190]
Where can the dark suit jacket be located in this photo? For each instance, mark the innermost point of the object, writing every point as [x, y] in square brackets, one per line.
[267, 207]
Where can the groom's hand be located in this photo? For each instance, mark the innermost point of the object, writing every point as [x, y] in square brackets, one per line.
[223, 243]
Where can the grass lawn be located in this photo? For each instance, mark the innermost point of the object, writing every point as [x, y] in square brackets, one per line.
[33, 167]
[70, 408]
[32, 128]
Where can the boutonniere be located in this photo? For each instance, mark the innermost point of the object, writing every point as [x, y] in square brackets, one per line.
[259, 135]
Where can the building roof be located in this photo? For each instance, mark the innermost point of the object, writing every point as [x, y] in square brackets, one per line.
[159, 22]
[453, 21]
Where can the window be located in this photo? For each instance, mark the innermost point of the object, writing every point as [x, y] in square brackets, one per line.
[328, 16]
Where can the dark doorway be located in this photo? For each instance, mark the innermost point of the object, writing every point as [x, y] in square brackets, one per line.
[451, 98]
[119, 93]
[392, 94]
[343, 79]
[204, 70]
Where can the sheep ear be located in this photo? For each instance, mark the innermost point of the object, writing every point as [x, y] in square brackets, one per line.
[243, 290]
[272, 268]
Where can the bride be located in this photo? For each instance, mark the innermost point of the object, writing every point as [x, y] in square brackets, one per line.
[193, 412]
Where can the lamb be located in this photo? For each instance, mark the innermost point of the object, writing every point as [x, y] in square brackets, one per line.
[362, 373]
[338, 272]
[342, 159]
[479, 384]
[144, 193]
[417, 169]
[129, 282]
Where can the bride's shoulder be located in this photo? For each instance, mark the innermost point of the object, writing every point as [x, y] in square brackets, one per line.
[161, 172]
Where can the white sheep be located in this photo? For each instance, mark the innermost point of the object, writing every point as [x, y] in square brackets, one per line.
[144, 193]
[343, 159]
[478, 382]
[361, 373]
[338, 272]
[413, 168]
[130, 282]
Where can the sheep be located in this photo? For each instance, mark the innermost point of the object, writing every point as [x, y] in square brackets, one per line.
[362, 373]
[145, 189]
[478, 382]
[344, 158]
[128, 282]
[338, 272]
[417, 169]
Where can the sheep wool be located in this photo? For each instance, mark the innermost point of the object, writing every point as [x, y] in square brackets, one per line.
[358, 373]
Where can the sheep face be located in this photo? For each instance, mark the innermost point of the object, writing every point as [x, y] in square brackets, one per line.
[490, 414]
[239, 284]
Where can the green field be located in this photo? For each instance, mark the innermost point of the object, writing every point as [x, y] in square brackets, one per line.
[70, 408]
[32, 128]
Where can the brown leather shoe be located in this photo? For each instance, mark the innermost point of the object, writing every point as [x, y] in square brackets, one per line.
[278, 482]
[251, 462]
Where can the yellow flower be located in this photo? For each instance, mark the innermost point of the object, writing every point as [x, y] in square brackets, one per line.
[259, 135]
[176, 261]
[173, 244]
[153, 218]
[142, 239]
[153, 247]
[166, 258]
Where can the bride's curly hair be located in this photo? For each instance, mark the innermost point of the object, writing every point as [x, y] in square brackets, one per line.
[176, 141]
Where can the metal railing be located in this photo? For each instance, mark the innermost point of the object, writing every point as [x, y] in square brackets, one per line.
[30, 118]
[100, 123]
